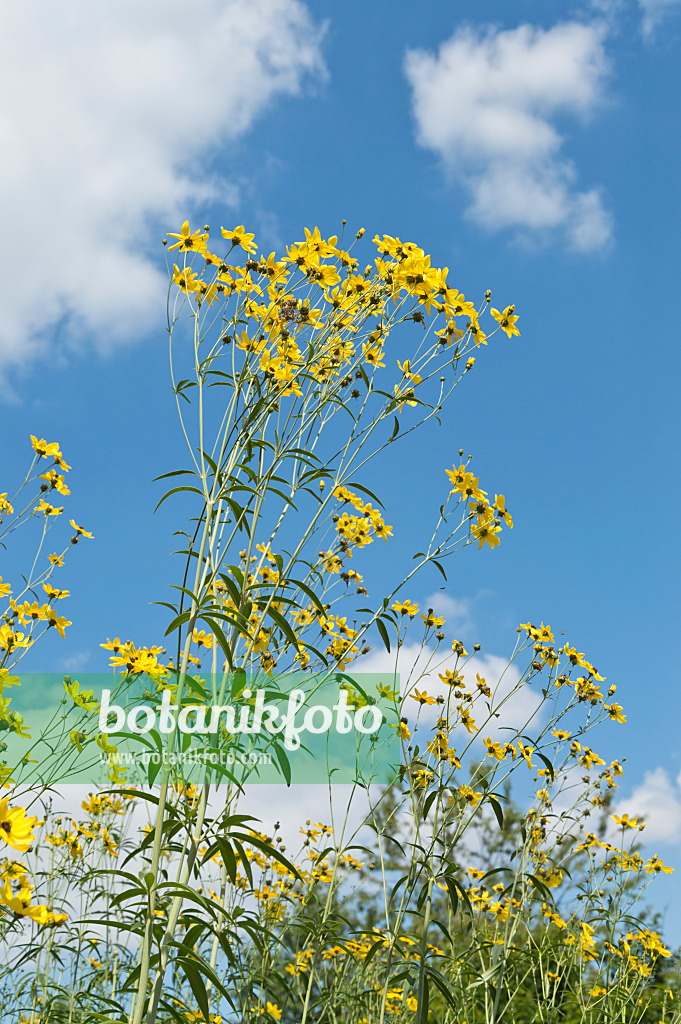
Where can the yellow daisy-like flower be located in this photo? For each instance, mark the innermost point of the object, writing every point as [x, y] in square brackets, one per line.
[79, 530]
[47, 509]
[239, 236]
[15, 828]
[188, 241]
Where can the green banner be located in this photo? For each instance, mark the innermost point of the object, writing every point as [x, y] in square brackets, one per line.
[233, 728]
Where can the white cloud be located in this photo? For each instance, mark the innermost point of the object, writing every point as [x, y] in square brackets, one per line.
[487, 103]
[519, 707]
[658, 801]
[76, 662]
[106, 112]
[654, 11]
[456, 610]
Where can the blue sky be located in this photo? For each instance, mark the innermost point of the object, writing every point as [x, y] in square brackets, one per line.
[532, 148]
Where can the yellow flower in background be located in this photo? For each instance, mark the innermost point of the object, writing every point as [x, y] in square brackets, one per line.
[78, 739]
[422, 697]
[451, 678]
[506, 320]
[84, 699]
[185, 279]
[47, 509]
[479, 336]
[55, 480]
[626, 822]
[432, 621]
[470, 796]
[655, 865]
[45, 449]
[486, 532]
[56, 559]
[467, 721]
[494, 749]
[202, 638]
[527, 752]
[27, 612]
[501, 511]
[403, 729]
[15, 828]
[10, 640]
[59, 622]
[615, 712]
[6, 508]
[109, 842]
[405, 608]
[79, 530]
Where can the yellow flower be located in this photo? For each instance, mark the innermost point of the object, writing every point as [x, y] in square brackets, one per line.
[56, 559]
[506, 320]
[432, 621]
[403, 729]
[47, 509]
[55, 480]
[84, 699]
[526, 752]
[655, 865]
[467, 721]
[501, 511]
[109, 843]
[60, 622]
[479, 336]
[185, 279]
[405, 608]
[239, 236]
[9, 640]
[616, 712]
[44, 448]
[470, 796]
[202, 638]
[30, 612]
[494, 749]
[486, 531]
[15, 828]
[626, 822]
[188, 242]
[422, 697]
[79, 530]
[6, 508]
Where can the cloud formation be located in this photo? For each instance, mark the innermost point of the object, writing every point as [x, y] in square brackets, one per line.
[654, 11]
[419, 667]
[106, 112]
[658, 801]
[488, 103]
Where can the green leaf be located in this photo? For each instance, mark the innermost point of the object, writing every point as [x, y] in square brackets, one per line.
[547, 763]
[284, 762]
[496, 807]
[176, 490]
[437, 564]
[384, 634]
[197, 985]
[222, 639]
[310, 593]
